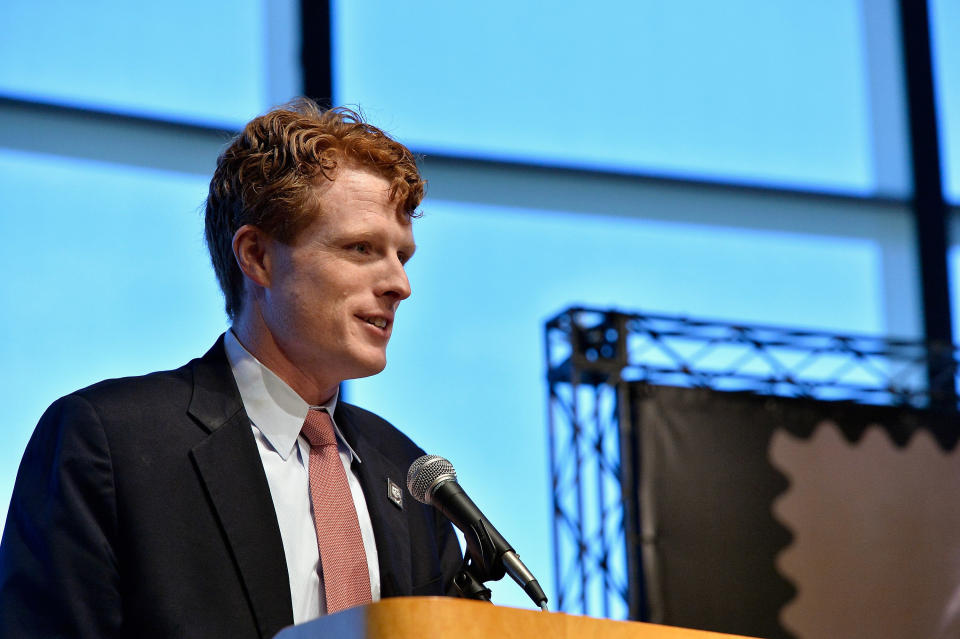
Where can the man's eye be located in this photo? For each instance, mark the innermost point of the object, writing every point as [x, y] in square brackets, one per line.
[362, 248]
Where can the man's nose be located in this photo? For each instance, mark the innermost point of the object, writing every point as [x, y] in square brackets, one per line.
[395, 282]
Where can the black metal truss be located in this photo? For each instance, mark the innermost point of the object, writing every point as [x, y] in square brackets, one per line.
[592, 355]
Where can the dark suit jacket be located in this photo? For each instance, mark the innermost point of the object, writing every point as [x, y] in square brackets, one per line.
[141, 509]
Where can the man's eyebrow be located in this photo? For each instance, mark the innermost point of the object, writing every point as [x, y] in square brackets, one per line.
[355, 235]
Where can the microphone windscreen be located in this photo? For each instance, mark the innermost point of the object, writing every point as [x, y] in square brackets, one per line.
[424, 474]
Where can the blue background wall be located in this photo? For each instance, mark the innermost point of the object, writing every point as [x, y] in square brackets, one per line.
[739, 160]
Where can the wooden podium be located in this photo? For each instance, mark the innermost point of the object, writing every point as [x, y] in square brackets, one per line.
[447, 618]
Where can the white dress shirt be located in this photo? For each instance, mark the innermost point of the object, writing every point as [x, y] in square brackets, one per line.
[276, 414]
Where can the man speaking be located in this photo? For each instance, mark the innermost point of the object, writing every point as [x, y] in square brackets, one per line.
[237, 495]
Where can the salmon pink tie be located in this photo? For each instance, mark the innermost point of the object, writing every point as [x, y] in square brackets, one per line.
[346, 579]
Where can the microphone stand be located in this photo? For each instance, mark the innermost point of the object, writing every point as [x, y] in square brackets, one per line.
[467, 585]
[489, 558]
[480, 565]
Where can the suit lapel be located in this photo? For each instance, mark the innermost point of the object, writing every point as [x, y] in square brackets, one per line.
[390, 527]
[230, 468]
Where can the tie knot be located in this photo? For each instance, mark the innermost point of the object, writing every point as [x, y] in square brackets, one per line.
[318, 428]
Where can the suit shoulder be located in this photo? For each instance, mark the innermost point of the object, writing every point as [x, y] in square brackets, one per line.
[76, 430]
[161, 386]
[119, 414]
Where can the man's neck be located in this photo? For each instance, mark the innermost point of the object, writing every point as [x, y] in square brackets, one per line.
[254, 335]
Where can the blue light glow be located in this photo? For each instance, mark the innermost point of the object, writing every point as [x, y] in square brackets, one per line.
[945, 25]
[200, 62]
[750, 91]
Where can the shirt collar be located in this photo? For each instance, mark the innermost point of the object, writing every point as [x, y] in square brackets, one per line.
[273, 407]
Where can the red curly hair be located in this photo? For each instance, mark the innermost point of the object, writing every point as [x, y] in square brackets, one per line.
[266, 177]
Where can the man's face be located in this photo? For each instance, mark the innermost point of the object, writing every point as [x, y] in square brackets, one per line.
[333, 293]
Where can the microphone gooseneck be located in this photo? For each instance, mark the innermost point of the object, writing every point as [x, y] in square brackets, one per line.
[432, 480]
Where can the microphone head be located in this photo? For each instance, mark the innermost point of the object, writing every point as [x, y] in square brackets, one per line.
[426, 473]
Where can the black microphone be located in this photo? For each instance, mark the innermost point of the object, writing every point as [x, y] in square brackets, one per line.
[433, 481]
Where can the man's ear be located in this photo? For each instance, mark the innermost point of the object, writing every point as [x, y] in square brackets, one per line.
[251, 250]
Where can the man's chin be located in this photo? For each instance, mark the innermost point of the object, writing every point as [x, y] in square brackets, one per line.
[368, 369]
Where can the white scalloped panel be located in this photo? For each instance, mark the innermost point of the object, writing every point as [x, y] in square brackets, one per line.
[876, 549]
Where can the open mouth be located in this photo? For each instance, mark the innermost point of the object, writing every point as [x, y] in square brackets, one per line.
[379, 322]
